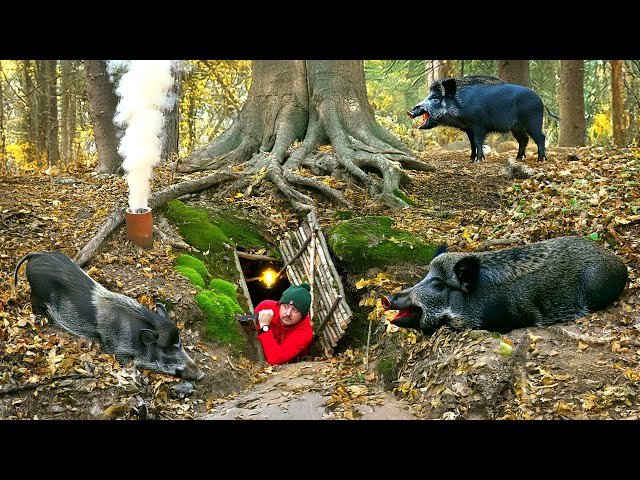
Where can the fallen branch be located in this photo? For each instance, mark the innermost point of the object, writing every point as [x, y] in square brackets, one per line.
[31, 386]
[584, 338]
[157, 199]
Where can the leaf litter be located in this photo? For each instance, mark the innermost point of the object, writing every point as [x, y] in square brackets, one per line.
[563, 371]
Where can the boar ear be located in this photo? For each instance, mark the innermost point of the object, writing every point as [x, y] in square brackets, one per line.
[161, 310]
[450, 87]
[440, 250]
[148, 336]
[467, 270]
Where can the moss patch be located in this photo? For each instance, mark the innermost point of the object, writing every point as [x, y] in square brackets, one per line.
[241, 231]
[403, 197]
[194, 277]
[193, 263]
[219, 285]
[195, 227]
[365, 242]
[221, 323]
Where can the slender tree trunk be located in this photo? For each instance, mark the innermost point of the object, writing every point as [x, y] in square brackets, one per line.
[68, 94]
[172, 120]
[102, 104]
[51, 102]
[618, 115]
[317, 103]
[573, 126]
[65, 94]
[29, 118]
[514, 71]
[3, 145]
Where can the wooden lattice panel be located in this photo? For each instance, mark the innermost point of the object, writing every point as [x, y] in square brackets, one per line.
[307, 258]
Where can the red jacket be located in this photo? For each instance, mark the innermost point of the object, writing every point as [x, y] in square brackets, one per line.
[282, 344]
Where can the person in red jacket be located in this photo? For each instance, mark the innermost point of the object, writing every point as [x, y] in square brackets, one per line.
[284, 327]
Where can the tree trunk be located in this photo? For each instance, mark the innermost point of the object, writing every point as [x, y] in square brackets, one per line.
[618, 115]
[102, 105]
[573, 127]
[29, 117]
[3, 145]
[317, 103]
[172, 120]
[36, 109]
[65, 101]
[50, 96]
[436, 70]
[514, 71]
[68, 103]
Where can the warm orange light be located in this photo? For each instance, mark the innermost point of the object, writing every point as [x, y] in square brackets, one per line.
[269, 277]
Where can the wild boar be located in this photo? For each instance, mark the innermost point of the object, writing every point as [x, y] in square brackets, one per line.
[71, 299]
[479, 105]
[538, 284]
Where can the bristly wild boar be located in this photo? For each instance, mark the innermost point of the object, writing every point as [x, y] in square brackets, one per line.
[71, 299]
[479, 105]
[538, 284]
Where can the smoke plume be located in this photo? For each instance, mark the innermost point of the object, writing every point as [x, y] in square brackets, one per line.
[143, 96]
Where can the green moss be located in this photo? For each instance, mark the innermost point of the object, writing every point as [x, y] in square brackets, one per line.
[193, 276]
[365, 242]
[195, 227]
[241, 231]
[221, 323]
[219, 285]
[403, 197]
[344, 215]
[387, 367]
[194, 263]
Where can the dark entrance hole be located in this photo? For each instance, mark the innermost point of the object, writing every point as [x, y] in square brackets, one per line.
[258, 291]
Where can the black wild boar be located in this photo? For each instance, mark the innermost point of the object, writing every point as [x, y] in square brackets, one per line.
[533, 285]
[479, 105]
[71, 299]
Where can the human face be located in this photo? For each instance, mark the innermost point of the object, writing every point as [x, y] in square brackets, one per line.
[289, 315]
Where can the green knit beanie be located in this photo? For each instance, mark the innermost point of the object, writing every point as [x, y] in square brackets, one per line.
[299, 296]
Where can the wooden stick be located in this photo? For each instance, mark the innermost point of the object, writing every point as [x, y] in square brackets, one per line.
[254, 256]
[157, 199]
[293, 258]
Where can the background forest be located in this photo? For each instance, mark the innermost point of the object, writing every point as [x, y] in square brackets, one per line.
[45, 117]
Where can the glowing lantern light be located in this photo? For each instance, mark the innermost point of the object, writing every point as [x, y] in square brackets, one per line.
[269, 277]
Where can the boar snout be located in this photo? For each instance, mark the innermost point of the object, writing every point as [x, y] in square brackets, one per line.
[387, 302]
[191, 372]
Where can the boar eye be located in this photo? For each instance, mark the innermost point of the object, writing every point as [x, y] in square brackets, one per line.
[437, 285]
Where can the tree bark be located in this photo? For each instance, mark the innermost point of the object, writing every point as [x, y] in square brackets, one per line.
[102, 105]
[573, 127]
[514, 71]
[172, 121]
[618, 115]
[50, 96]
[294, 107]
[3, 144]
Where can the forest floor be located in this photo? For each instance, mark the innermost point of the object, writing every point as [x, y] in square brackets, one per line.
[583, 369]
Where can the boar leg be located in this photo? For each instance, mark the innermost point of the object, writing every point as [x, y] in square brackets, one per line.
[539, 139]
[522, 138]
[477, 141]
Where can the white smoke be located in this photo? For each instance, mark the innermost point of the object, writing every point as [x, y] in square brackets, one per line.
[143, 92]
